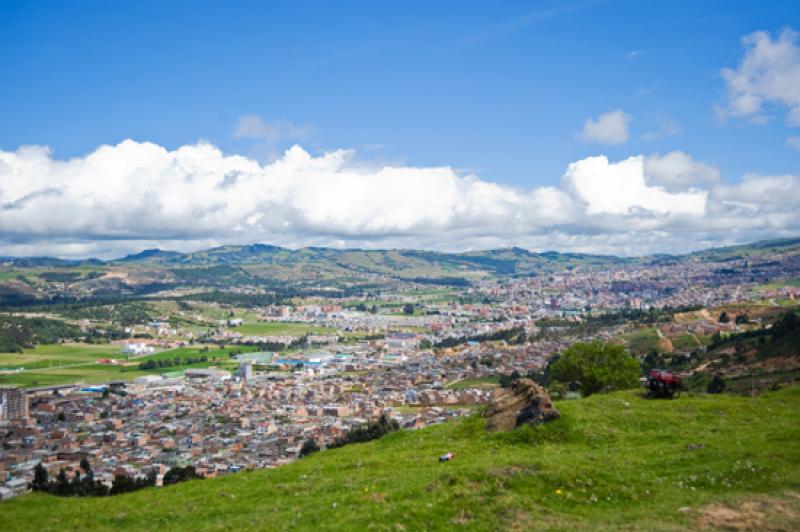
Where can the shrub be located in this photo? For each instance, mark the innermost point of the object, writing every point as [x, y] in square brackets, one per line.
[716, 384]
[594, 367]
[309, 446]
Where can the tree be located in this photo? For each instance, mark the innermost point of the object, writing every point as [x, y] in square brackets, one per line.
[40, 478]
[62, 486]
[742, 319]
[595, 367]
[122, 484]
[724, 318]
[408, 308]
[716, 384]
[309, 446]
[179, 474]
[87, 469]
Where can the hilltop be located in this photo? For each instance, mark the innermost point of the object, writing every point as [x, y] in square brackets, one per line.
[612, 461]
[317, 271]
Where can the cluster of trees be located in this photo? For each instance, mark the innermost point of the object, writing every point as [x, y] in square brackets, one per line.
[369, 431]
[88, 486]
[676, 362]
[297, 343]
[18, 333]
[124, 313]
[167, 362]
[180, 474]
[782, 339]
[65, 276]
[514, 335]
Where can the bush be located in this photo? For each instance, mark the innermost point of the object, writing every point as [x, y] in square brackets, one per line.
[367, 432]
[180, 474]
[716, 384]
[595, 367]
[309, 446]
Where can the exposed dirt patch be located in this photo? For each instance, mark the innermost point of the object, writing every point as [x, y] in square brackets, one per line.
[763, 513]
[665, 345]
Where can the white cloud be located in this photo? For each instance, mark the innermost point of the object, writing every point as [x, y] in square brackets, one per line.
[610, 128]
[768, 74]
[678, 171]
[621, 188]
[794, 142]
[135, 195]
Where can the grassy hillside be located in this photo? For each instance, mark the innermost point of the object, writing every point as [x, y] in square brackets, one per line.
[612, 461]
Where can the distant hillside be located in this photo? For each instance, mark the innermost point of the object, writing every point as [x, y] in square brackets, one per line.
[753, 250]
[287, 273]
[611, 462]
[405, 263]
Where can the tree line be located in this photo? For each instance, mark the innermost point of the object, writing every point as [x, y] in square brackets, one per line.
[88, 486]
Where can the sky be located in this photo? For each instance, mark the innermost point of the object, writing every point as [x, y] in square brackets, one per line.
[592, 126]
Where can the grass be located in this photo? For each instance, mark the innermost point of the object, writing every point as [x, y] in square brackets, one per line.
[56, 354]
[613, 461]
[685, 341]
[491, 381]
[87, 371]
[642, 341]
[779, 284]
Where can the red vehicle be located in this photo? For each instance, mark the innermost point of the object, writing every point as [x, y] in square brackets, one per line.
[662, 383]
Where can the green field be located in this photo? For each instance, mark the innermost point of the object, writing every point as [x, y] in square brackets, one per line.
[685, 341]
[778, 284]
[642, 341]
[491, 381]
[59, 354]
[269, 328]
[81, 367]
[611, 462]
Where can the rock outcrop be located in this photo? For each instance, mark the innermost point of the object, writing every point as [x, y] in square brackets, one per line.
[525, 402]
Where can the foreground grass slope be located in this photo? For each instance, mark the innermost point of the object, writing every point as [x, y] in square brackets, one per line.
[612, 461]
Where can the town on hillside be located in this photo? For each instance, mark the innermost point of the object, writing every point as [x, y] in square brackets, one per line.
[238, 378]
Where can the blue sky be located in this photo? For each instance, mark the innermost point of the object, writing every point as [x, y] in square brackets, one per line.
[499, 90]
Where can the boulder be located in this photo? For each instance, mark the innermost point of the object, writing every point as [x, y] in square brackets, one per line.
[525, 402]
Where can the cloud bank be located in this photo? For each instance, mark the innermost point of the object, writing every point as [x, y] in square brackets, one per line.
[133, 195]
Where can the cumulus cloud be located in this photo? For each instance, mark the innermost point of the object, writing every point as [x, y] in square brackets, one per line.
[678, 171]
[123, 198]
[767, 75]
[621, 188]
[609, 128]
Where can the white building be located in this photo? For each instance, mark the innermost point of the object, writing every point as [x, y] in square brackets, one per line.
[137, 348]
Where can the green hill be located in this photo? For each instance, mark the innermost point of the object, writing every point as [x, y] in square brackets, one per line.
[611, 462]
